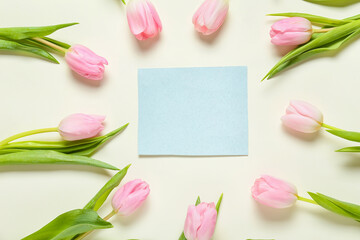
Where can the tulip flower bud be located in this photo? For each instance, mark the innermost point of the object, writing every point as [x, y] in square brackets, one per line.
[302, 117]
[85, 62]
[291, 31]
[200, 221]
[273, 192]
[210, 16]
[143, 19]
[80, 126]
[130, 197]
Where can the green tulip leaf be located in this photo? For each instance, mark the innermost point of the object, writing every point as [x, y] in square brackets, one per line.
[339, 207]
[348, 135]
[321, 40]
[69, 224]
[97, 201]
[50, 157]
[314, 18]
[14, 46]
[349, 149]
[218, 204]
[198, 201]
[61, 44]
[336, 3]
[356, 17]
[19, 33]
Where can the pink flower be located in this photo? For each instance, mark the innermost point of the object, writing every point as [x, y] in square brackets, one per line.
[210, 16]
[200, 221]
[85, 62]
[273, 192]
[130, 197]
[143, 20]
[291, 31]
[80, 126]
[302, 117]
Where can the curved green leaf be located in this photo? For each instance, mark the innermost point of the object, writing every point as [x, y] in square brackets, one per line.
[218, 204]
[69, 224]
[14, 46]
[349, 149]
[19, 33]
[356, 17]
[337, 3]
[97, 201]
[90, 151]
[336, 206]
[348, 135]
[61, 44]
[313, 18]
[50, 157]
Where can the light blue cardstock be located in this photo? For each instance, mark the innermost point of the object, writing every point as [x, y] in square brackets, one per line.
[193, 111]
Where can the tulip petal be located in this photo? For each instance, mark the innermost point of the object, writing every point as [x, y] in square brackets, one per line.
[276, 199]
[308, 110]
[207, 228]
[279, 184]
[292, 24]
[300, 123]
[136, 17]
[291, 38]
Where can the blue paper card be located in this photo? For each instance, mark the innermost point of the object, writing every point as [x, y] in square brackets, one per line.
[193, 111]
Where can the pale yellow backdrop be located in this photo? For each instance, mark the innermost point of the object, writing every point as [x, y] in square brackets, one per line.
[36, 94]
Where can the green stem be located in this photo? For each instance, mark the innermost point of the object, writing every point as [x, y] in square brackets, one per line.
[331, 127]
[50, 44]
[307, 200]
[123, 2]
[107, 217]
[28, 133]
[322, 30]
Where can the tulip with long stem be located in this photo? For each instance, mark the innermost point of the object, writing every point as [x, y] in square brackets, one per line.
[277, 193]
[333, 34]
[34, 40]
[74, 127]
[126, 200]
[306, 118]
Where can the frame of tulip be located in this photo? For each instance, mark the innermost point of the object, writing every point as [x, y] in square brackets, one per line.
[337, 33]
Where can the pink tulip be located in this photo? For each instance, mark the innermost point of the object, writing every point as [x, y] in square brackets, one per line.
[143, 20]
[200, 221]
[302, 117]
[80, 126]
[85, 62]
[210, 16]
[130, 197]
[291, 31]
[273, 192]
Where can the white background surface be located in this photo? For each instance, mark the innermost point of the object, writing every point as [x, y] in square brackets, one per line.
[36, 94]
